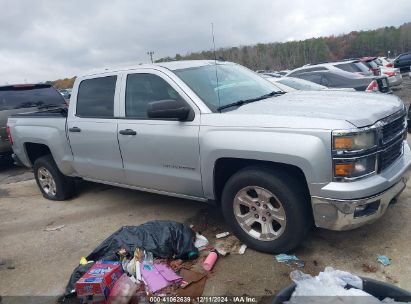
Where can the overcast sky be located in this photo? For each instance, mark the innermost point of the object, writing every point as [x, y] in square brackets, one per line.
[49, 39]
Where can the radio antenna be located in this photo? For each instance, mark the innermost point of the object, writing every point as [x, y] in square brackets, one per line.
[212, 34]
[215, 63]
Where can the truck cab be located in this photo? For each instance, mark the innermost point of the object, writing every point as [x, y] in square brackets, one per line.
[275, 163]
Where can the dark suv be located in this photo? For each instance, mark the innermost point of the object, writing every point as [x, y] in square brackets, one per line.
[403, 62]
[16, 99]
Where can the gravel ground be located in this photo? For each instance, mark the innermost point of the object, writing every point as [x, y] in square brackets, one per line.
[38, 262]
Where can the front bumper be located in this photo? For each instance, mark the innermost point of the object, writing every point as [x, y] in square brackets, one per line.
[344, 215]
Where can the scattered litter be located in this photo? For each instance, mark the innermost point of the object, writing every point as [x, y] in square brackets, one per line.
[201, 241]
[164, 239]
[369, 268]
[209, 262]
[342, 286]
[228, 245]
[11, 267]
[222, 235]
[176, 265]
[290, 260]
[194, 283]
[330, 282]
[57, 228]
[159, 276]
[124, 289]
[383, 259]
[242, 249]
[98, 280]
[158, 258]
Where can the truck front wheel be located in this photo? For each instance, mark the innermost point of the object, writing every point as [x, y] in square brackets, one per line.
[52, 183]
[268, 209]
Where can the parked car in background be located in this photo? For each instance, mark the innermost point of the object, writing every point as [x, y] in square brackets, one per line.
[372, 64]
[283, 72]
[299, 84]
[66, 93]
[349, 65]
[403, 62]
[385, 61]
[272, 74]
[274, 163]
[342, 79]
[278, 85]
[20, 99]
[393, 74]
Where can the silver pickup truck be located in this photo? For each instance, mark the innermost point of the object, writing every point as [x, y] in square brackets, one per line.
[214, 131]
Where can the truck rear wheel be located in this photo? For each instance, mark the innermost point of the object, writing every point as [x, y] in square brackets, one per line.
[52, 183]
[267, 209]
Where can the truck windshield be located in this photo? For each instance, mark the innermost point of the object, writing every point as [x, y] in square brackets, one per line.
[223, 84]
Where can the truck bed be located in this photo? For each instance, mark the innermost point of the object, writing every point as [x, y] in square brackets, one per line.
[46, 128]
[55, 113]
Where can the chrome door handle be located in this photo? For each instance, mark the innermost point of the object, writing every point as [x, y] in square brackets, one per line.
[128, 132]
[75, 129]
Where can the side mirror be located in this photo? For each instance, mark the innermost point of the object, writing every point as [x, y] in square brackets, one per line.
[168, 109]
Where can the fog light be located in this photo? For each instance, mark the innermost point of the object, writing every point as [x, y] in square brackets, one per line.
[360, 208]
[368, 209]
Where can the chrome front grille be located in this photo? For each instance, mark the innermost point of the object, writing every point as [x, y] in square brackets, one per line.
[391, 133]
[390, 155]
[393, 129]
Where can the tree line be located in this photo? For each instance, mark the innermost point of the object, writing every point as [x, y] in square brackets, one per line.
[289, 55]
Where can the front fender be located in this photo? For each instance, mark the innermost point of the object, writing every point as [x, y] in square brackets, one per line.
[309, 152]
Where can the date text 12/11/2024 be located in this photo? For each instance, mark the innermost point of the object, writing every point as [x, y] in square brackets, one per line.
[204, 299]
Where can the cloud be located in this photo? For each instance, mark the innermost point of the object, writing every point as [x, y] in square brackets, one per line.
[46, 39]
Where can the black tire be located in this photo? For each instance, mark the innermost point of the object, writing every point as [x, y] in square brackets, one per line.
[64, 186]
[289, 191]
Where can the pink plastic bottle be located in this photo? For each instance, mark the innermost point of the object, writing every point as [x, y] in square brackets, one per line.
[209, 262]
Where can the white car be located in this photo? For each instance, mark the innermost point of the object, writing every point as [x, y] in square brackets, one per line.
[385, 61]
[387, 69]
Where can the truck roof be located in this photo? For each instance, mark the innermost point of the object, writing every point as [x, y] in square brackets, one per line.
[171, 65]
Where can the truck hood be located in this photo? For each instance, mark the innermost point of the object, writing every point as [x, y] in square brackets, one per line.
[360, 109]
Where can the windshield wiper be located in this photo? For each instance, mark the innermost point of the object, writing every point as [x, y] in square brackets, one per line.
[243, 102]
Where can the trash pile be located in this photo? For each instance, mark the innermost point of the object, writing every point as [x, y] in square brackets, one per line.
[331, 285]
[158, 258]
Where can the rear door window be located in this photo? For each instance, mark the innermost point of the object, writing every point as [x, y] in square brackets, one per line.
[96, 97]
[311, 77]
[362, 67]
[19, 97]
[349, 67]
[372, 64]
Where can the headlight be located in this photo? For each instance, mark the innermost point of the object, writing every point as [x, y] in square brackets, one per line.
[353, 168]
[354, 141]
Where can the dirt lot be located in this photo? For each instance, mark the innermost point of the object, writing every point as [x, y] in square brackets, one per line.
[34, 261]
